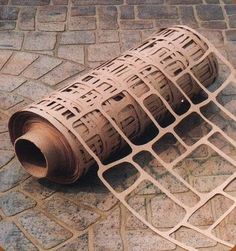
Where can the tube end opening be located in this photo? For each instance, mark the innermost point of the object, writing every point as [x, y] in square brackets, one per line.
[31, 157]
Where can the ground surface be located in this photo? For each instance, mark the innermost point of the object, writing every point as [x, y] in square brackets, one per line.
[46, 43]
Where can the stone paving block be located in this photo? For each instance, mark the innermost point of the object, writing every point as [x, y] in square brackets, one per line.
[9, 83]
[146, 240]
[52, 14]
[8, 101]
[6, 156]
[3, 126]
[144, 2]
[126, 12]
[212, 1]
[33, 90]
[209, 12]
[213, 166]
[41, 66]
[162, 23]
[60, 2]
[188, 198]
[231, 35]
[107, 36]
[106, 230]
[97, 2]
[231, 54]
[136, 24]
[4, 56]
[74, 216]
[187, 16]
[220, 204]
[138, 203]
[11, 40]
[11, 238]
[39, 188]
[72, 52]
[5, 142]
[161, 218]
[214, 36]
[129, 39]
[45, 231]
[90, 191]
[15, 202]
[30, 3]
[147, 188]
[26, 20]
[226, 230]
[18, 63]
[214, 25]
[8, 13]
[107, 16]
[2, 2]
[58, 26]
[3, 116]
[205, 184]
[61, 73]
[184, 2]
[193, 239]
[203, 216]
[82, 23]
[77, 37]
[232, 21]
[80, 243]
[7, 25]
[230, 9]
[156, 11]
[83, 11]
[102, 52]
[12, 175]
[36, 41]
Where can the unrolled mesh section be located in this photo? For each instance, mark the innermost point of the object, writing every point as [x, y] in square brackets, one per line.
[214, 131]
[160, 85]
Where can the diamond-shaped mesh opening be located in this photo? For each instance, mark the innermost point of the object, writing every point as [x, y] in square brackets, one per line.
[192, 128]
[223, 144]
[121, 176]
[168, 148]
[219, 118]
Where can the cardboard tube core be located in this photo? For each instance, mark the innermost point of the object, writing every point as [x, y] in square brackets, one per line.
[31, 157]
[43, 151]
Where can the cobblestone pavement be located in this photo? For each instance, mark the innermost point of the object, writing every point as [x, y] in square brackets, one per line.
[44, 44]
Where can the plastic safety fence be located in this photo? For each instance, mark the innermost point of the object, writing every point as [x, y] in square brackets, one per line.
[154, 121]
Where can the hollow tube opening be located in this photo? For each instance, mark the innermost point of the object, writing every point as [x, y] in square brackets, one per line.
[31, 157]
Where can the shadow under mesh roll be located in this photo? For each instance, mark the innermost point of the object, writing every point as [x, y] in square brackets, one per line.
[132, 91]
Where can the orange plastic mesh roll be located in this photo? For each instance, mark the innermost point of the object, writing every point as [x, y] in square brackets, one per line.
[116, 117]
[133, 91]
